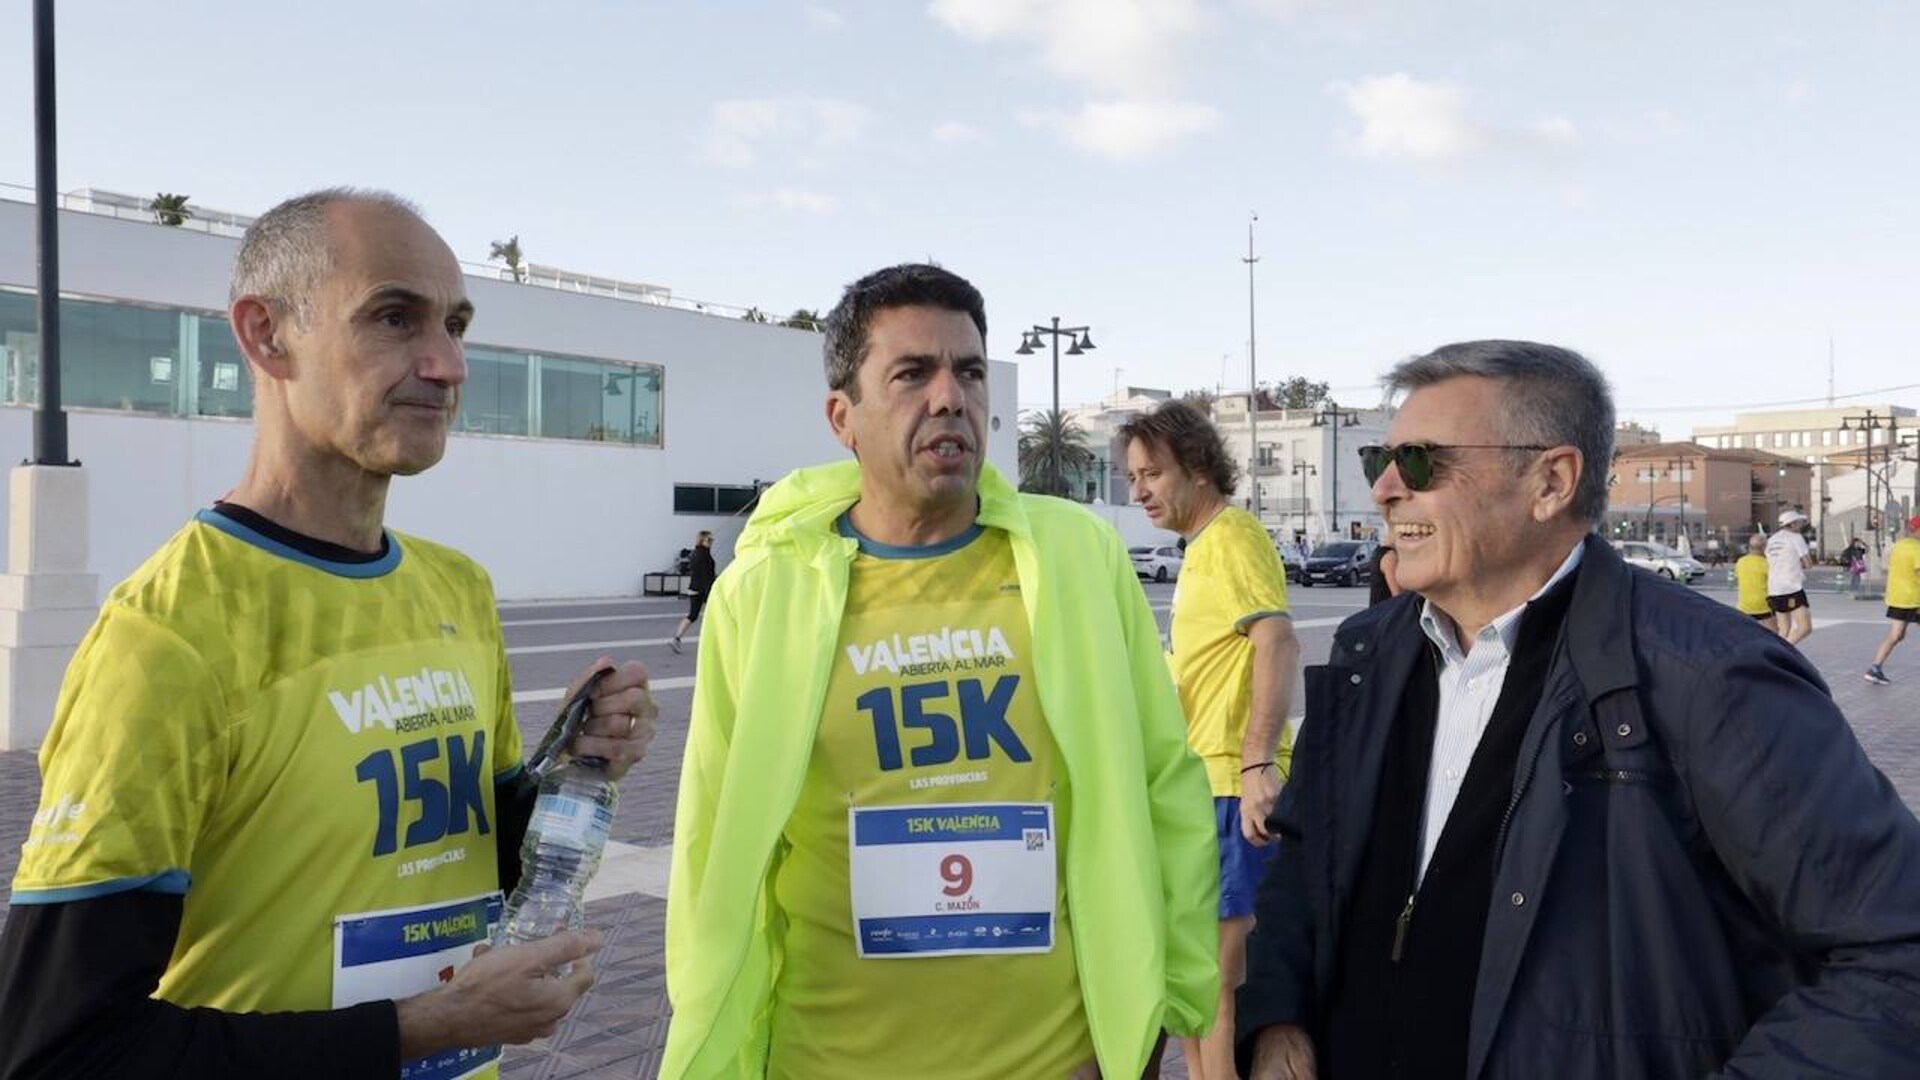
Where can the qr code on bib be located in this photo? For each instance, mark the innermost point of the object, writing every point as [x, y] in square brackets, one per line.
[1036, 839]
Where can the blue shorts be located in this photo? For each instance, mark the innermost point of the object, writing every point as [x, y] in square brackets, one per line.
[1242, 865]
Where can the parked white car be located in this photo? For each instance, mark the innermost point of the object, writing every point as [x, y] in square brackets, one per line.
[1157, 563]
[1661, 559]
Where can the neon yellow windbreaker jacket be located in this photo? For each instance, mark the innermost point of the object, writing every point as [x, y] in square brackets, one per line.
[1142, 873]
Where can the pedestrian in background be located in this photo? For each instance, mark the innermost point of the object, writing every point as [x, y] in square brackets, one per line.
[700, 575]
[1750, 574]
[1855, 560]
[1903, 597]
[1788, 558]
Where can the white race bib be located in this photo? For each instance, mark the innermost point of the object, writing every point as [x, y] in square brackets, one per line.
[952, 880]
[389, 955]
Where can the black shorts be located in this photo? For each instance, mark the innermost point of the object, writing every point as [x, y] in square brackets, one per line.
[1789, 602]
[1762, 615]
[1904, 614]
[695, 601]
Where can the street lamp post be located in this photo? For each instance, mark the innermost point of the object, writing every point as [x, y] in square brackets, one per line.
[1253, 373]
[1869, 422]
[1646, 527]
[1081, 341]
[1303, 469]
[1677, 468]
[1335, 417]
[49, 420]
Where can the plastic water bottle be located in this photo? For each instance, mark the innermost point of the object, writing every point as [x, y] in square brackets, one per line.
[571, 818]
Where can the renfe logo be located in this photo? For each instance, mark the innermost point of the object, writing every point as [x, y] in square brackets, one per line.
[387, 700]
[60, 812]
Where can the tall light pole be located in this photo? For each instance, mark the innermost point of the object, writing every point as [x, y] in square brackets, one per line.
[49, 420]
[1081, 341]
[1303, 469]
[1253, 376]
[1869, 422]
[1335, 417]
[1677, 468]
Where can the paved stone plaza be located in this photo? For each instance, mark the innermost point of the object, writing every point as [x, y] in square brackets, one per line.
[620, 1027]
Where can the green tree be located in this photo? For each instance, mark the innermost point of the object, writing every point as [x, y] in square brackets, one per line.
[508, 252]
[1040, 432]
[169, 209]
[1294, 393]
[804, 319]
[1199, 399]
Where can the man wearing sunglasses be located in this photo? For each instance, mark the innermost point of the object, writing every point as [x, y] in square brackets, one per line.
[1550, 815]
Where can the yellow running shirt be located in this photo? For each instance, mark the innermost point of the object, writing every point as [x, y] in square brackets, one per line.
[1750, 570]
[1903, 574]
[306, 750]
[921, 839]
[1232, 576]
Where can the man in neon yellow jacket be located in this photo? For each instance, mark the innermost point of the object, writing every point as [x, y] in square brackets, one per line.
[937, 815]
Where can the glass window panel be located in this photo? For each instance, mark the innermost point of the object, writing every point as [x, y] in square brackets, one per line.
[116, 356]
[574, 403]
[493, 401]
[19, 348]
[630, 404]
[226, 383]
[693, 498]
[734, 500]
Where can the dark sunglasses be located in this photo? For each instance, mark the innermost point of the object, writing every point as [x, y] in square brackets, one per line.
[1416, 461]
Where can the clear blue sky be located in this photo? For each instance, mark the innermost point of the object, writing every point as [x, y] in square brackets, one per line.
[1697, 195]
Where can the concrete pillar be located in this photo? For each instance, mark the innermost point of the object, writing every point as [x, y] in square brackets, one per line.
[47, 598]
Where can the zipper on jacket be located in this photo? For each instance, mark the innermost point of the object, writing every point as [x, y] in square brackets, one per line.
[1519, 792]
[1400, 927]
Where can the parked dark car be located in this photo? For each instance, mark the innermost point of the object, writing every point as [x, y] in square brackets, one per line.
[1343, 562]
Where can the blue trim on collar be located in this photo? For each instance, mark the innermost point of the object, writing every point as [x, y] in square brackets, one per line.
[380, 567]
[844, 525]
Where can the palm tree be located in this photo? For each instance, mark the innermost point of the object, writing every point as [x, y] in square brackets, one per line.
[509, 253]
[169, 209]
[1040, 433]
[804, 319]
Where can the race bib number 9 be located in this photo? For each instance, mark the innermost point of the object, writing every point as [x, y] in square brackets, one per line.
[952, 880]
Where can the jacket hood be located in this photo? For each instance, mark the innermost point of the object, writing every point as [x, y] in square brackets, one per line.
[802, 506]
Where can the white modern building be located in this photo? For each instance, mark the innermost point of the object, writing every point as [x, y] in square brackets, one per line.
[601, 426]
[1307, 467]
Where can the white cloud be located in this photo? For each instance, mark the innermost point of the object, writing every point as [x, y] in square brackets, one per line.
[1557, 130]
[824, 17]
[953, 131]
[1654, 125]
[1407, 119]
[806, 202]
[1402, 117]
[1278, 9]
[1797, 91]
[739, 131]
[1123, 47]
[1128, 129]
